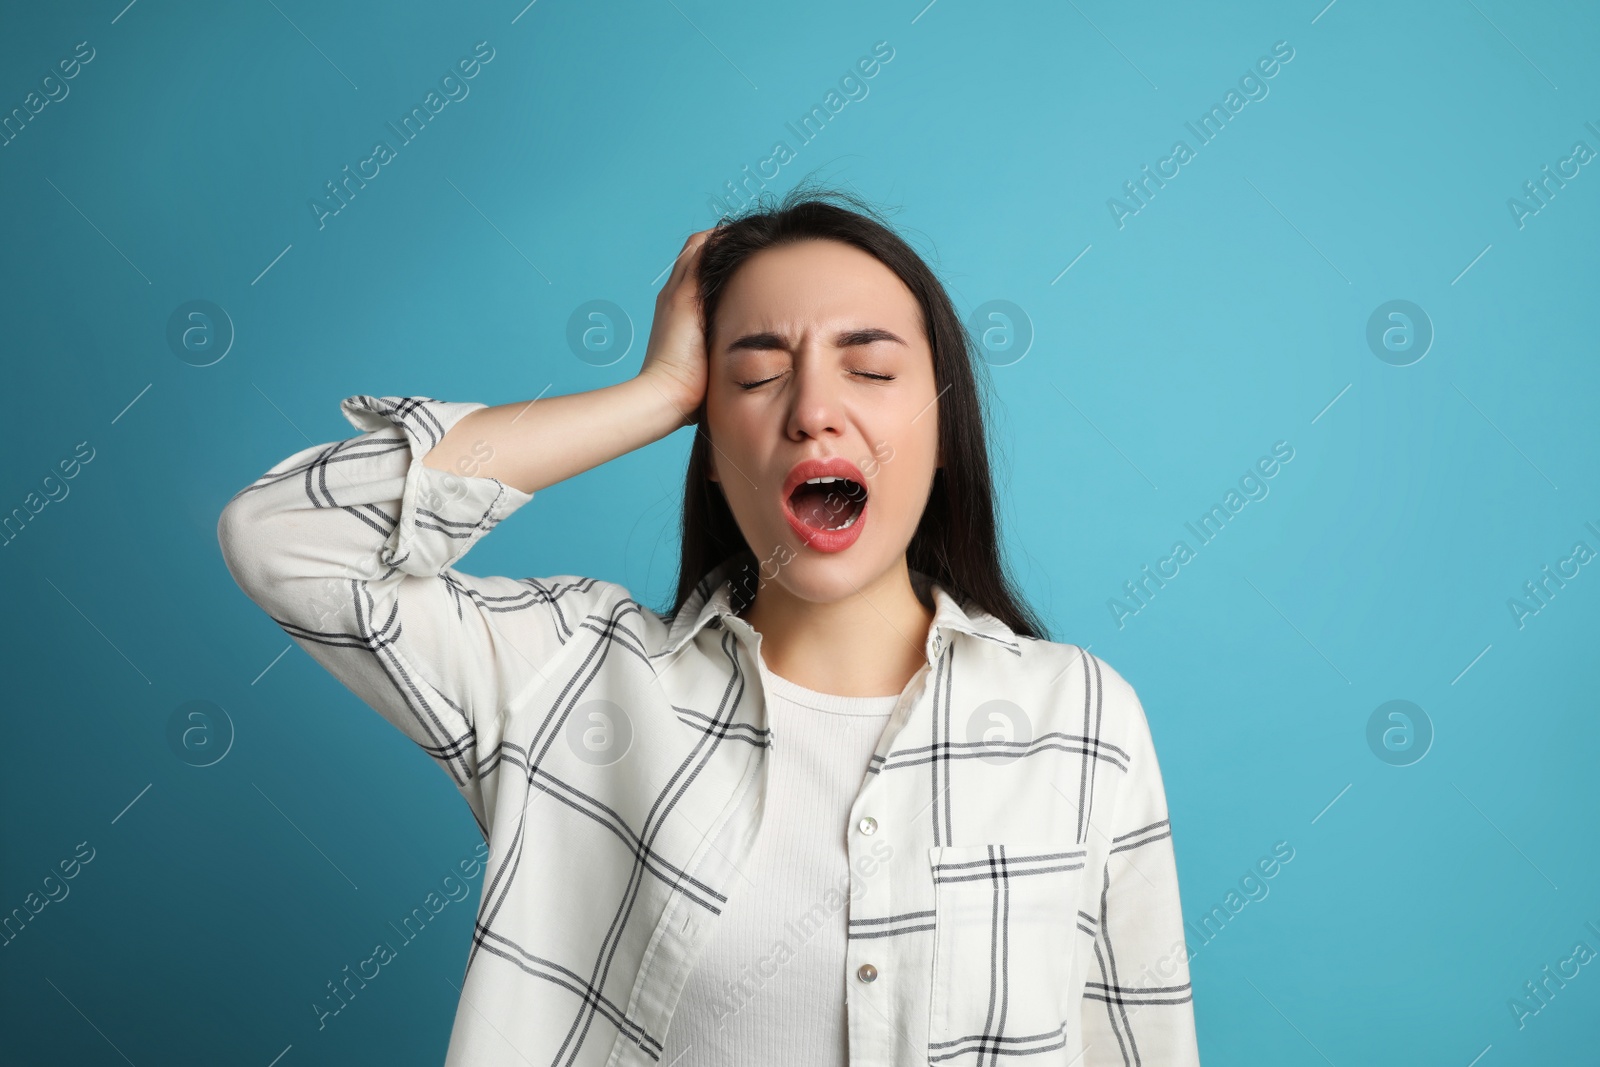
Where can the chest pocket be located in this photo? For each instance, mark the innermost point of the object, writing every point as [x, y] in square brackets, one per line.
[1005, 937]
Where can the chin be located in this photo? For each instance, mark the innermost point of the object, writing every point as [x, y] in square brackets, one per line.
[826, 579]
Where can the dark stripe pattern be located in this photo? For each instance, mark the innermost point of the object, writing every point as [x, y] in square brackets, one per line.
[1016, 895]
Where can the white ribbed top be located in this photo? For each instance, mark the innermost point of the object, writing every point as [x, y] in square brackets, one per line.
[769, 987]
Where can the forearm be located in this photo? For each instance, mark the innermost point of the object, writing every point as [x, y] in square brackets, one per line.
[332, 514]
[529, 445]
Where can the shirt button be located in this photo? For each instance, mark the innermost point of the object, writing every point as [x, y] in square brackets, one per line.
[868, 825]
[867, 972]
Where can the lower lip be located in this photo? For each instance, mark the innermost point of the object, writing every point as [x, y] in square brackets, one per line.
[827, 540]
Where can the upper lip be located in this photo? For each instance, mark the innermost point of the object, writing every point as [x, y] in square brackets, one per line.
[823, 467]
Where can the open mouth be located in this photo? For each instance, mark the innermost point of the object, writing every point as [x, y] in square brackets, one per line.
[825, 501]
[828, 502]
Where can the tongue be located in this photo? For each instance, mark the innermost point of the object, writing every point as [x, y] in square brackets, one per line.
[822, 507]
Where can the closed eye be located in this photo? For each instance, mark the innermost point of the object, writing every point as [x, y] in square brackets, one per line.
[762, 381]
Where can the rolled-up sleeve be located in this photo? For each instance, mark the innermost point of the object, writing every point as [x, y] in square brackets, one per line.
[1138, 1007]
[349, 546]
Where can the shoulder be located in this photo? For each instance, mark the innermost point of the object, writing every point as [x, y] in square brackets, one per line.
[1062, 661]
[1095, 701]
[576, 590]
[578, 602]
[1083, 686]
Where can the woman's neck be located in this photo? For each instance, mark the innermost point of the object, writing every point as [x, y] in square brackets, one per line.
[868, 644]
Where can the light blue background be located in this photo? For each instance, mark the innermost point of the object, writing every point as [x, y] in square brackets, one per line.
[1227, 315]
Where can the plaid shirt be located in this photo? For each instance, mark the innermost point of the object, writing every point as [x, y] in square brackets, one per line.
[1013, 890]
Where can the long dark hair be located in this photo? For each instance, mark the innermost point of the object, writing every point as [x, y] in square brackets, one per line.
[956, 543]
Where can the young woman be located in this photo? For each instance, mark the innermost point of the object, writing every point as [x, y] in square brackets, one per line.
[843, 802]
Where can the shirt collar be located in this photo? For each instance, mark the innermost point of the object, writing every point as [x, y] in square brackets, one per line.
[714, 597]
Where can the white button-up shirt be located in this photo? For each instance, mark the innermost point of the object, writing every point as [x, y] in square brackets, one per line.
[1013, 890]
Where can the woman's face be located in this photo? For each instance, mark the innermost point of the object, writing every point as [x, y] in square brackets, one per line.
[819, 355]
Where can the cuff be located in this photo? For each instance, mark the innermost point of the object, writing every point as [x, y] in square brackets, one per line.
[442, 513]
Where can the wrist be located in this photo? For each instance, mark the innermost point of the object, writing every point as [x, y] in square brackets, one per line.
[676, 403]
[658, 405]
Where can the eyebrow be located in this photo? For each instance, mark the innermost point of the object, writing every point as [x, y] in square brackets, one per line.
[764, 340]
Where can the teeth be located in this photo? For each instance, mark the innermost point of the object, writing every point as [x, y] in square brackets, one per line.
[824, 481]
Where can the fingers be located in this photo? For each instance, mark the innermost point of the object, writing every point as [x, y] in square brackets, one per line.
[686, 259]
[679, 265]
[692, 244]
[692, 247]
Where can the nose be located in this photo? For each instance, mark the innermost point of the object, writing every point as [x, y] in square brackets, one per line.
[815, 406]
